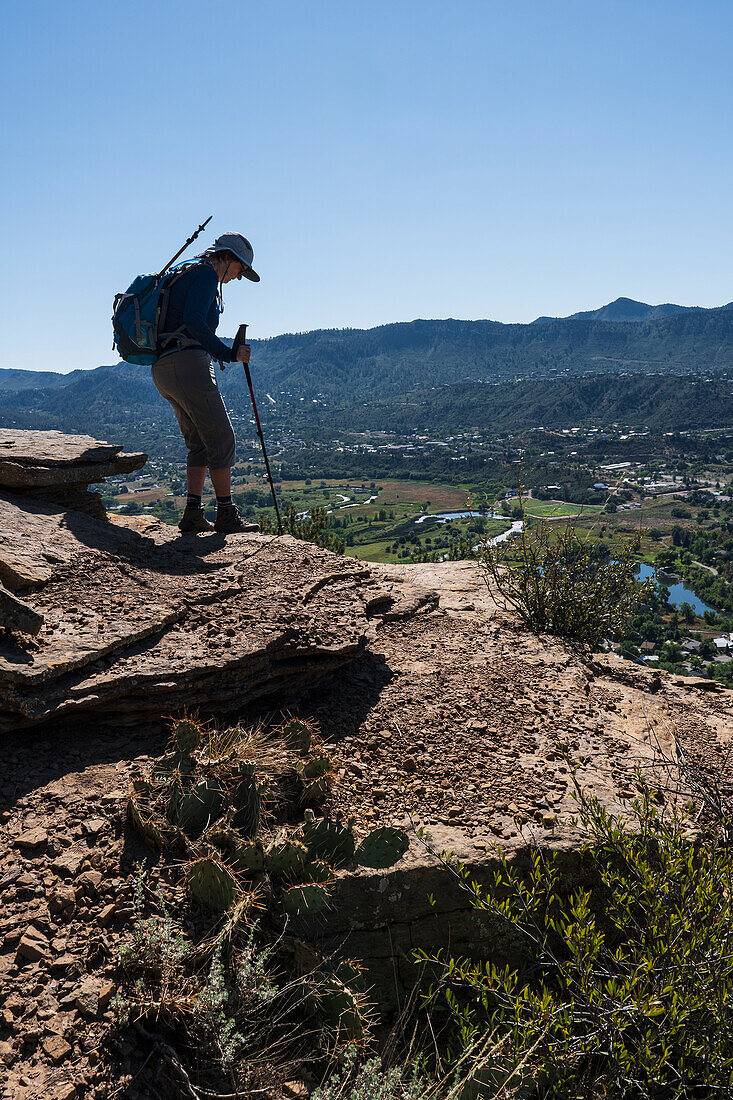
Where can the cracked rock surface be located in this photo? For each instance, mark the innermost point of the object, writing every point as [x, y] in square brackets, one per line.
[139, 621]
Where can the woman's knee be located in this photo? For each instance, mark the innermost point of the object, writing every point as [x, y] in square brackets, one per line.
[223, 451]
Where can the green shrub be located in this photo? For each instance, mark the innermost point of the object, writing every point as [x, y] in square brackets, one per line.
[369, 1081]
[559, 583]
[312, 526]
[623, 990]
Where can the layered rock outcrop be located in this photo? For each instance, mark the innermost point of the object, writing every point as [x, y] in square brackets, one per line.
[138, 620]
[59, 468]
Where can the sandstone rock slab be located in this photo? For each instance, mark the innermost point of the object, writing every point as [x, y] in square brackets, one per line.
[16, 614]
[36, 538]
[52, 448]
[17, 475]
[179, 622]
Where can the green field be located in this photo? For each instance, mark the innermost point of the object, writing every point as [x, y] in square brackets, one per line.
[558, 509]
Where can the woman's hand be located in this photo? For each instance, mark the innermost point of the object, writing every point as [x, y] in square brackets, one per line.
[243, 353]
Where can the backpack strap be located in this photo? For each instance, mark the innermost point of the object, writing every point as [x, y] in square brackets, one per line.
[168, 338]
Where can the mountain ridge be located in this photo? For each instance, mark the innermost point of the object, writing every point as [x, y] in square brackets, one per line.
[360, 369]
[628, 311]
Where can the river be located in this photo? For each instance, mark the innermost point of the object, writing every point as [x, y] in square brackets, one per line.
[679, 592]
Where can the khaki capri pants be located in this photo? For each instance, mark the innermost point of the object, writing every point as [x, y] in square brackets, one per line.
[187, 381]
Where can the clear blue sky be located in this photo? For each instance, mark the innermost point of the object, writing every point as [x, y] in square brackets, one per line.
[388, 159]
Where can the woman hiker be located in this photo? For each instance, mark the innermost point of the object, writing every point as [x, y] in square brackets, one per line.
[184, 375]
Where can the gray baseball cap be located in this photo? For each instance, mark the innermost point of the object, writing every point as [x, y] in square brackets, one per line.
[242, 249]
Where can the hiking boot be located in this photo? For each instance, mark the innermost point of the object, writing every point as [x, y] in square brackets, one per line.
[193, 520]
[229, 521]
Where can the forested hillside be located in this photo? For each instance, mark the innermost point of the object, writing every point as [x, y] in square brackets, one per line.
[653, 402]
[427, 376]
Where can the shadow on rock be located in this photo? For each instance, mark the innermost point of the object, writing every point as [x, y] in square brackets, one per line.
[343, 702]
[33, 761]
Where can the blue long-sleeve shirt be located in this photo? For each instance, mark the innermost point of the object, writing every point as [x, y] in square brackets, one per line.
[193, 306]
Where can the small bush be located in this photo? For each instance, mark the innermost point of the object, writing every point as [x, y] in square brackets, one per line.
[369, 1081]
[625, 990]
[311, 526]
[559, 583]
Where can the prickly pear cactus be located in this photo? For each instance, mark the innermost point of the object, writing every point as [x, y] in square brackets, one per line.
[350, 972]
[173, 796]
[171, 763]
[309, 898]
[327, 840]
[145, 822]
[382, 847]
[212, 884]
[285, 856]
[187, 735]
[243, 769]
[248, 858]
[200, 807]
[316, 870]
[318, 766]
[340, 1007]
[315, 790]
[248, 806]
[297, 735]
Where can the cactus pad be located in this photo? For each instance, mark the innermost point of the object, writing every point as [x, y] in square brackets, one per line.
[315, 790]
[145, 822]
[174, 794]
[285, 856]
[306, 899]
[187, 735]
[382, 847]
[212, 884]
[170, 763]
[297, 735]
[248, 806]
[318, 871]
[199, 807]
[341, 1008]
[329, 841]
[319, 765]
[248, 858]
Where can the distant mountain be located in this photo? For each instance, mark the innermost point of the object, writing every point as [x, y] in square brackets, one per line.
[364, 368]
[14, 380]
[626, 309]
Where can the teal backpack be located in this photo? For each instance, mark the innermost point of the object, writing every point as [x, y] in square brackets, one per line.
[138, 316]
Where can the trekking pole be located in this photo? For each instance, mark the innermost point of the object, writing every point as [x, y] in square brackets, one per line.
[190, 240]
[239, 339]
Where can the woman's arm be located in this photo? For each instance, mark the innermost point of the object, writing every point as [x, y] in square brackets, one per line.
[199, 300]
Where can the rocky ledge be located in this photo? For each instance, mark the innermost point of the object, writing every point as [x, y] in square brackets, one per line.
[127, 621]
[59, 467]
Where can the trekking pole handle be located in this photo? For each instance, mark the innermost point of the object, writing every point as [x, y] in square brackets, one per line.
[239, 339]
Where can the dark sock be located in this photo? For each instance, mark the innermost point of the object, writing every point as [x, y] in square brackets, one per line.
[192, 501]
[222, 502]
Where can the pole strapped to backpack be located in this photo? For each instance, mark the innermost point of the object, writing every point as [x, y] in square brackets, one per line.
[138, 315]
